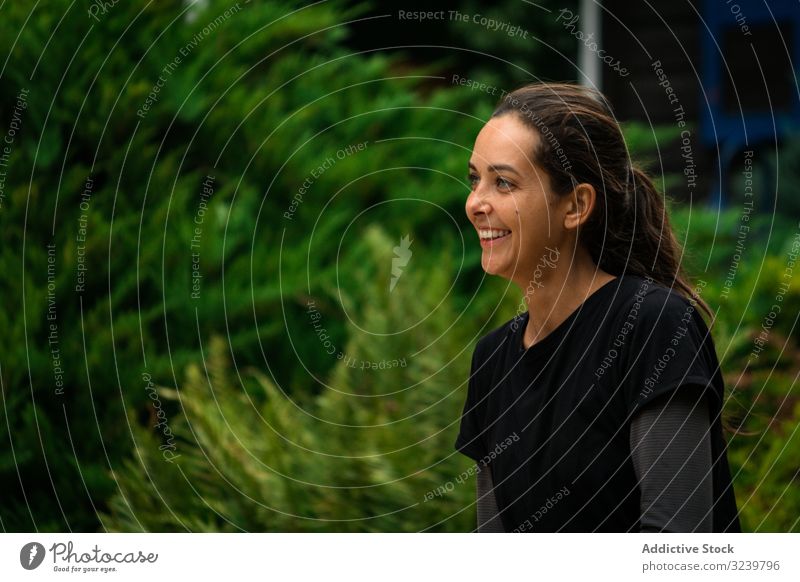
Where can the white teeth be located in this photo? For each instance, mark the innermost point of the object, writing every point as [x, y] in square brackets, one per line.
[489, 234]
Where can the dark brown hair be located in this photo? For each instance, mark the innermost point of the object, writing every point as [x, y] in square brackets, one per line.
[581, 142]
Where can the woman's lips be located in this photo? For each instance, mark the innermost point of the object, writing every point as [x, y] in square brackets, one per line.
[490, 242]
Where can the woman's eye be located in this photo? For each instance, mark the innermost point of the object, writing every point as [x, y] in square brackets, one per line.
[504, 184]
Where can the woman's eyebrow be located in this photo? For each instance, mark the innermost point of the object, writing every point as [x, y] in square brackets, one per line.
[496, 168]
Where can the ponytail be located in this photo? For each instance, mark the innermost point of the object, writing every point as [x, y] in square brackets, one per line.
[658, 252]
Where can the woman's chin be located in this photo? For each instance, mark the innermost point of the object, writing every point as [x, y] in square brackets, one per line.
[499, 261]
[493, 267]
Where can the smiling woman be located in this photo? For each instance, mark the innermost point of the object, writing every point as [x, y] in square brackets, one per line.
[609, 376]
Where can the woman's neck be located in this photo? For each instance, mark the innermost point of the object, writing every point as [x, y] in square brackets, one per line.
[553, 299]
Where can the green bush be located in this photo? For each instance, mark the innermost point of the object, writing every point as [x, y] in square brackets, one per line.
[259, 99]
[370, 452]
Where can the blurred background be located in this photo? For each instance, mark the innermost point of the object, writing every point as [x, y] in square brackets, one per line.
[239, 289]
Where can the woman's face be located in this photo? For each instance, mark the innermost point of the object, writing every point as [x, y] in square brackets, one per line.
[510, 204]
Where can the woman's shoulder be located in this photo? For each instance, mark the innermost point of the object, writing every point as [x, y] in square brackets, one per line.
[663, 316]
[652, 311]
[656, 299]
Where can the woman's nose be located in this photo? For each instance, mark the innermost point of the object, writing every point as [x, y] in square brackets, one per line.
[476, 203]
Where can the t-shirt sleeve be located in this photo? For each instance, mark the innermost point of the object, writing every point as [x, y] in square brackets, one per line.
[470, 439]
[666, 345]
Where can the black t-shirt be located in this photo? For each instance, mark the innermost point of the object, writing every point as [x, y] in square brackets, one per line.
[553, 421]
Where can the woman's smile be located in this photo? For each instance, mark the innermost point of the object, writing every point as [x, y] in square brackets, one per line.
[493, 237]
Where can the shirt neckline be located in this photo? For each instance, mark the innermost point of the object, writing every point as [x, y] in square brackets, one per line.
[550, 341]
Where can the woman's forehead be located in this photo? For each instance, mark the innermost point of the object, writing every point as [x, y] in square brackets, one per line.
[505, 140]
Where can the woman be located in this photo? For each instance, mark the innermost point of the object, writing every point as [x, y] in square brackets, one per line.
[598, 407]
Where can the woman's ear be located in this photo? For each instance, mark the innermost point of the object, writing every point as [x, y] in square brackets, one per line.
[580, 203]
